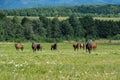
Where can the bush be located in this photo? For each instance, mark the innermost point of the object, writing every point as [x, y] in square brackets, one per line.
[53, 40]
[116, 37]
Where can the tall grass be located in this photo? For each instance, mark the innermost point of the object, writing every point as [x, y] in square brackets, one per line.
[63, 64]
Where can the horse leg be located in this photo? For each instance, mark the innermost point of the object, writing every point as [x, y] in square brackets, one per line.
[41, 49]
[80, 47]
[77, 48]
[83, 47]
[89, 51]
[86, 49]
[74, 49]
[51, 49]
[37, 49]
[34, 50]
[22, 48]
[16, 48]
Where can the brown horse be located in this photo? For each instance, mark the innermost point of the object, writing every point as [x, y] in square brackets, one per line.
[54, 46]
[94, 45]
[76, 46]
[36, 47]
[19, 46]
[82, 45]
[88, 46]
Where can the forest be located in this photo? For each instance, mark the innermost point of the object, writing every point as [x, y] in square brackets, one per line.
[93, 10]
[51, 30]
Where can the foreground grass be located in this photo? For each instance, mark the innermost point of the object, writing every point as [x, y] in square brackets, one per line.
[63, 64]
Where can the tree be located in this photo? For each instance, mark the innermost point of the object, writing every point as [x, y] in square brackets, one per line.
[89, 26]
[66, 30]
[8, 30]
[55, 28]
[46, 24]
[38, 28]
[15, 20]
[18, 29]
[78, 29]
[2, 31]
[28, 31]
[25, 20]
[2, 15]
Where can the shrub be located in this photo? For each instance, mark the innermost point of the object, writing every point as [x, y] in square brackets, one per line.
[116, 37]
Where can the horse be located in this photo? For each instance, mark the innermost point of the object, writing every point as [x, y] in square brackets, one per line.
[54, 46]
[36, 47]
[94, 45]
[19, 46]
[88, 46]
[39, 47]
[76, 46]
[82, 45]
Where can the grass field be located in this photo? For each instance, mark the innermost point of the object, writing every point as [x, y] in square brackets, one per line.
[108, 18]
[36, 18]
[64, 18]
[63, 64]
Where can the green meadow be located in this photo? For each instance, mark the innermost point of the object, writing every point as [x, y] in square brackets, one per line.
[62, 64]
[64, 18]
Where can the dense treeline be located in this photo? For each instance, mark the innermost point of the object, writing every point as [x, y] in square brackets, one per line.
[48, 30]
[94, 10]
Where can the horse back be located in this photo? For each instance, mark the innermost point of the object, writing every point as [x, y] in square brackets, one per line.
[34, 46]
[18, 45]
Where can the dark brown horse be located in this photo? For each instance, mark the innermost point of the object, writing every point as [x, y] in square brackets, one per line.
[54, 46]
[19, 46]
[36, 47]
[88, 46]
[82, 45]
[76, 46]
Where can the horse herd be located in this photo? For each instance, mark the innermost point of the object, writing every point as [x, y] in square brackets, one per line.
[88, 46]
[36, 47]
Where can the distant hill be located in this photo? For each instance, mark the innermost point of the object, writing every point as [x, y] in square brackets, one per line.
[94, 10]
[15, 4]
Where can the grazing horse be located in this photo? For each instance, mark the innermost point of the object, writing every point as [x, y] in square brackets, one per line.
[19, 46]
[39, 47]
[54, 46]
[89, 46]
[82, 45]
[76, 46]
[94, 45]
[36, 47]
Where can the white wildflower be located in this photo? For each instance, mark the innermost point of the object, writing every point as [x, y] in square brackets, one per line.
[60, 71]
[48, 62]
